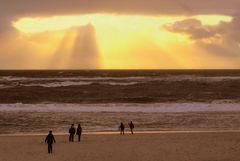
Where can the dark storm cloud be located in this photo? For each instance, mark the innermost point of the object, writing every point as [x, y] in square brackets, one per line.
[13, 9]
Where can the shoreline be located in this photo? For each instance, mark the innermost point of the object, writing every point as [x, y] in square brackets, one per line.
[127, 133]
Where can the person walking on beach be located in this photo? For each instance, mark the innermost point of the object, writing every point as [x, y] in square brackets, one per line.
[121, 127]
[131, 126]
[79, 132]
[50, 140]
[72, 133]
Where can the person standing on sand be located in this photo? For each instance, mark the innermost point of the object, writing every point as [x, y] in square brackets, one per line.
[50, 140]
[131, 126]
[79, 132]
[121, 127]
[72, 133]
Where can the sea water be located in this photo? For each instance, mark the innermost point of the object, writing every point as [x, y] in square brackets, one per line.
[34, 102]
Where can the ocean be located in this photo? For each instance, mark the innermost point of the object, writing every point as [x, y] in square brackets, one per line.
[35, 101]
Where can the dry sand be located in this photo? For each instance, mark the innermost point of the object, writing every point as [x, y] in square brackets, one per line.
[211, 146]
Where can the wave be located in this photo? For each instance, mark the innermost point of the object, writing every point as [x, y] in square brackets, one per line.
[10, 78]
[116, 108]
[59, 84]
[80, 78]
[51, 82]
[4, 86]
[68, 83]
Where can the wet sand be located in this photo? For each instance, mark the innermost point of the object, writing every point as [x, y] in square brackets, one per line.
[59, 122]
[174, 146]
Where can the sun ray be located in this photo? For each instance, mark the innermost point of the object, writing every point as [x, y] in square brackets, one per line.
[120, 38]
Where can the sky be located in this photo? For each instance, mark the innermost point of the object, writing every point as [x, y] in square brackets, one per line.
[113, 34]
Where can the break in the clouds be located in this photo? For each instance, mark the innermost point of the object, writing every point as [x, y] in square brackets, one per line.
[13, 9]
[82, 54]
[131, 42]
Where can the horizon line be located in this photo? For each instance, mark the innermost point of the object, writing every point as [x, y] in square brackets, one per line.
[117, 69]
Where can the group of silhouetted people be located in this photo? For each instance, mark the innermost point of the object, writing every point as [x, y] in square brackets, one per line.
[122, 127]
[72, 131]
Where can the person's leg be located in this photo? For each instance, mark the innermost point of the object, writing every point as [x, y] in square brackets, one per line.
[71, 137]
[79, 139]
[49, 148]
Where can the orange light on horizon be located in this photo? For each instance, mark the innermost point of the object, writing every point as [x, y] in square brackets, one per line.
[122, 38]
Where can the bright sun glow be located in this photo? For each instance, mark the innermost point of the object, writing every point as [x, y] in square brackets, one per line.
[120, 38]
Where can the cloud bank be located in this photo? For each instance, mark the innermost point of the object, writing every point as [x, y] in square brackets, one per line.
[220, 42]
[13, 9]
[222, 39]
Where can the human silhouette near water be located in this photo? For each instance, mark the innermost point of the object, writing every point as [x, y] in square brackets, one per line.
[72, 131]
[131, 126]
[79, 132]
[50, 140]
[121, 128]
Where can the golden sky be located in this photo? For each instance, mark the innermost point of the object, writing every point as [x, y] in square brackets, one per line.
[109, 35]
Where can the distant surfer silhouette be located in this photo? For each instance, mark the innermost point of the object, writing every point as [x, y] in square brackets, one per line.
[79, 132]
[72, 133]
[121, 127]
[131, 126]
[50, 140]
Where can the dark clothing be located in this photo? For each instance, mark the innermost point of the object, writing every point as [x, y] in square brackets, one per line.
[50, 140]
[71, 137]
[72, 130]
[72, 133]
[79, 130]
[131, 126]
[121, 127]
[79, 138]
[49, 148]
[79, 133]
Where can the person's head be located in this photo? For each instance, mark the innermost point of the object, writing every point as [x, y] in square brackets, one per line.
[72, 124]
[50, 132]
[79, 125]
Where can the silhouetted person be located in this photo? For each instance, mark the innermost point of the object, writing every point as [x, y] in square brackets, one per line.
[121, 127]
[79, 132]
[50, 140]
[72, 133]
[131, 126]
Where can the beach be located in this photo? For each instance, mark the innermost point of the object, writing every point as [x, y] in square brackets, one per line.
[179, 115]
[166, 146]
